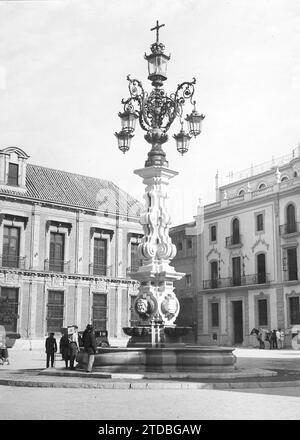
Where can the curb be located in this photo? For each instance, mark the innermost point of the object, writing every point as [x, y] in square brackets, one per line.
[148, 385]
[157, 376]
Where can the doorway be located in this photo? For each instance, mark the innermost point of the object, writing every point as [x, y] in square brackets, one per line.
[237, 315]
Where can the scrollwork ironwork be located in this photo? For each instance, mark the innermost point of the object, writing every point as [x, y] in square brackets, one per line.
[157, 109]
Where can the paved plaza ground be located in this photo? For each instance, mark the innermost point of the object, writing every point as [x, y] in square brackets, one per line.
[160, 404]
[267, 398]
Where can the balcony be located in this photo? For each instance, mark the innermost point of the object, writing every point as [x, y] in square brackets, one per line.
[244, 280]
[55, 265]
[12, 261]
[233, 241]
[99, 269]
[289, 228]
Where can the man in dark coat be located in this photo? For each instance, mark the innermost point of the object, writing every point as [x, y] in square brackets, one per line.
[51, 349]
[273, 339]
[64, 348]
[90, 346]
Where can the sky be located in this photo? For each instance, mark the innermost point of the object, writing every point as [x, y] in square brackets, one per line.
[63, 69]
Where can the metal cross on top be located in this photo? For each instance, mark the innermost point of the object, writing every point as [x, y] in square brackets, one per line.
[157, 27]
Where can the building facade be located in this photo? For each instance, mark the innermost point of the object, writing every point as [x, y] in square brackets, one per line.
[67, 244]
[249, 255]
[185, 239]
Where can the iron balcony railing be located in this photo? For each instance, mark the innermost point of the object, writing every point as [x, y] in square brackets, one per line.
[55, 265]
[13, 261]
[243, 280]
[289, 228]
[233, 240]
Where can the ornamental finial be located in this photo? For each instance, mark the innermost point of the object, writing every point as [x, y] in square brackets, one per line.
[157, 27]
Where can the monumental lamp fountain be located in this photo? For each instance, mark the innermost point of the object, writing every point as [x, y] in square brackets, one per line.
[155, 344]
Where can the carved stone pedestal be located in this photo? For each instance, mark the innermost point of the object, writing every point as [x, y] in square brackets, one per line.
[156, 300]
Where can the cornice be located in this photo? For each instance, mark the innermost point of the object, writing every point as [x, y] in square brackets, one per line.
[274, 285]
[75, 277]
[242, 205]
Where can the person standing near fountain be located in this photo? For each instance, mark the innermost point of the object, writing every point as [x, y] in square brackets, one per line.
[51, 349]
[73, 345]
[89, 344]
[64, 347]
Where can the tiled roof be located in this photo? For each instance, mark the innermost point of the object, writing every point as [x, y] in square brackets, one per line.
[70, 189]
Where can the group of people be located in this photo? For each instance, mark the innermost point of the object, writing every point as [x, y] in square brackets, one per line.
[69, 346]
[275, 338]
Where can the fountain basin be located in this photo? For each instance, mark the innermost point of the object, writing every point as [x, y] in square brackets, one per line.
[142, 335]
[164, 359]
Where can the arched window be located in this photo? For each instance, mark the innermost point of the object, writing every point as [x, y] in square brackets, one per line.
[235, 231]
[295, 174]
[290, 219]
[213, 233]
[284, 178]
[261, 268]
[241, 192]
[262, 186]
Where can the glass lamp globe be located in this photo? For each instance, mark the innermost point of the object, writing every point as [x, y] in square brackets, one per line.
[124, 139]
[182, 141]
[128, 120]
[194, 121]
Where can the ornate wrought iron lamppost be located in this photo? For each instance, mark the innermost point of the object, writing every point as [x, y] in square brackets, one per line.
[156, 111]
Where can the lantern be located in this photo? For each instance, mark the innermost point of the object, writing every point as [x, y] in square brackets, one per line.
[182, 141]
[128, 120]
[194, 121]
[157, 64]
[124, 139]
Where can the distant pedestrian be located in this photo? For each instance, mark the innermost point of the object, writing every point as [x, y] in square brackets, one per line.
[73, 345]
[280, 338]
[64, 348]
[89, 344]
[259, 336]
[51, 349]
[260, 339]
[3, 354]
[273, 340]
